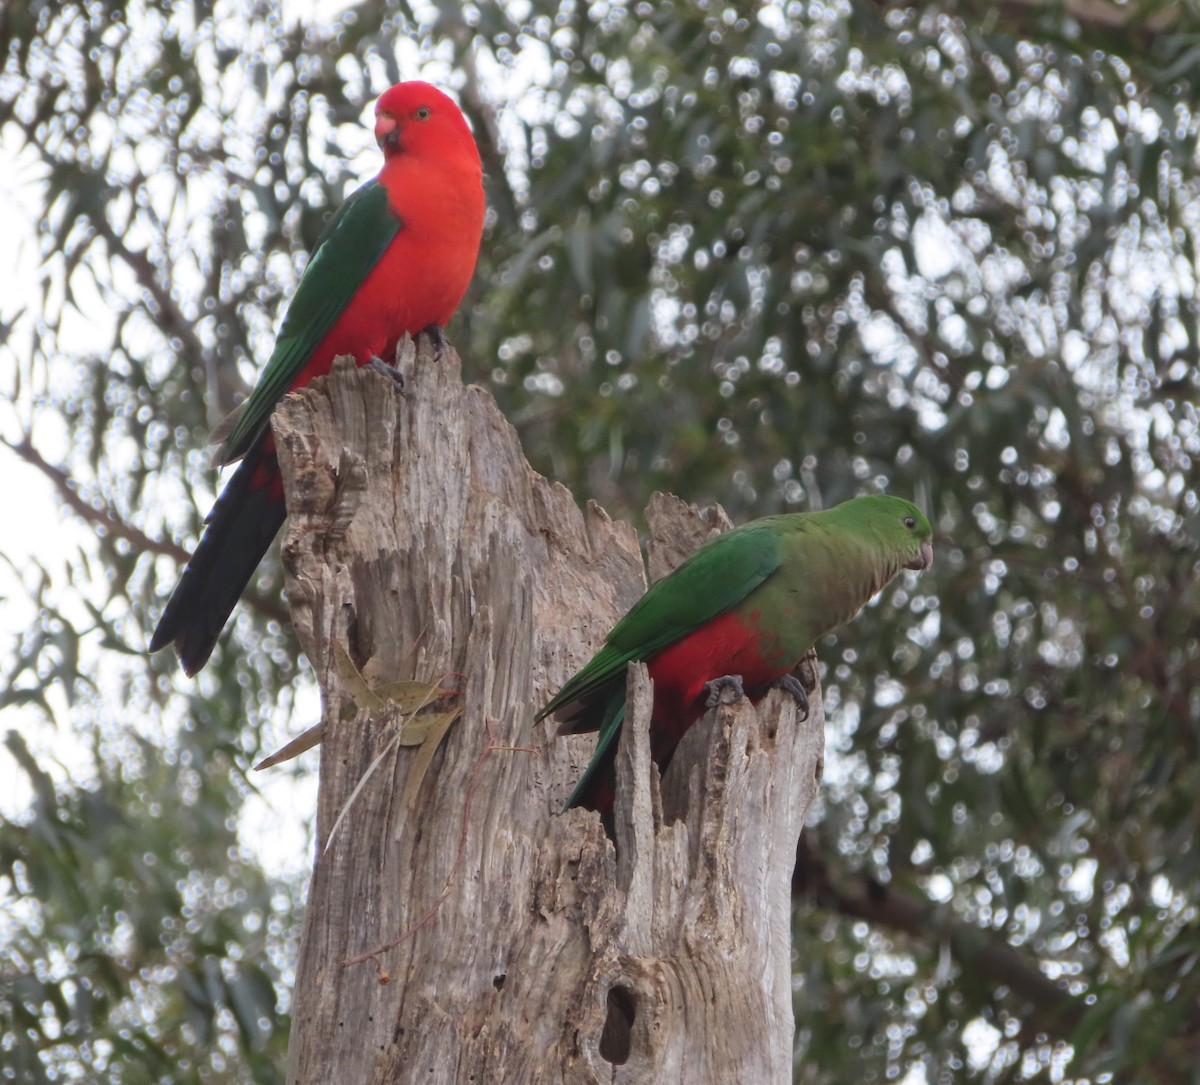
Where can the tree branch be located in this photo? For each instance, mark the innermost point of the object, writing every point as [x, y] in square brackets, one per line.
[862, 897]
[1149, 19]
[170, 317]
[107, 520]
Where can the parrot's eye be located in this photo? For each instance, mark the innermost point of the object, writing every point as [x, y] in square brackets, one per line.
[910, 522]
[422, 114]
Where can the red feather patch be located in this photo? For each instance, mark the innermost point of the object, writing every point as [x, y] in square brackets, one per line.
[726, 645]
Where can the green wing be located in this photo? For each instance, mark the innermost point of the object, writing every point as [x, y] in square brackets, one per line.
[713, 580]
[349, 247]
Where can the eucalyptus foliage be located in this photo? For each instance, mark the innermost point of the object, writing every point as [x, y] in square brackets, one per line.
[770, 255]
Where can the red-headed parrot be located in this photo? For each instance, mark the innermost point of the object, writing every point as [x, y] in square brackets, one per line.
[742, 611]
[395, 259]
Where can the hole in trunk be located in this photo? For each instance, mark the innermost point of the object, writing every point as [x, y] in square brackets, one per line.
[614, 1040]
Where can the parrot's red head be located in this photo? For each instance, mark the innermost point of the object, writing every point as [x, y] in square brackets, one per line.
[413, 116]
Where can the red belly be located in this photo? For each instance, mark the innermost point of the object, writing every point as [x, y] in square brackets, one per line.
[726, 645]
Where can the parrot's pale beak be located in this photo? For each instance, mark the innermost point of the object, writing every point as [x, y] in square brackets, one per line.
[387, 132]
[924, 561]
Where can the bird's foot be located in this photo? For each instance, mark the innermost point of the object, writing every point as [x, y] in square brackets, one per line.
[718, 686]
[378, 365]
[440, 345]
[789, 683]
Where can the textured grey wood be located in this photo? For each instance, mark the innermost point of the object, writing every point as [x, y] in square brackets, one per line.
[521, 947]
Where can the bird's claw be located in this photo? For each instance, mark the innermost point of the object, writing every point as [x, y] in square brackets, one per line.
[378, 365]
[715, 688]
[438, 338]
[789, 683]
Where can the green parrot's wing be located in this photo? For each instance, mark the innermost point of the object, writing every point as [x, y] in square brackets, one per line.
[713, 580]
[348, 248]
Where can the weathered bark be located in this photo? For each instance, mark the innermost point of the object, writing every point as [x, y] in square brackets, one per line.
[483, 935]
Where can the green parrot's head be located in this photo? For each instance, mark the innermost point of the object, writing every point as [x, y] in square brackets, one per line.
[899, 526]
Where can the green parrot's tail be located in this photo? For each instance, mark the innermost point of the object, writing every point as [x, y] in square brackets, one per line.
[597, 786]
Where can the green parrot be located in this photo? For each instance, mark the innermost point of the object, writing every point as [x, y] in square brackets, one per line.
[742, 612]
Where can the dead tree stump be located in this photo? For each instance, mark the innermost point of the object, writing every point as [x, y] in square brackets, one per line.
[471, 931]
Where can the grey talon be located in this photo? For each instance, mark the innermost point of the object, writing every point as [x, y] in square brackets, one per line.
[715, 688]
[435, 333]
[378, 365]
[789, 683]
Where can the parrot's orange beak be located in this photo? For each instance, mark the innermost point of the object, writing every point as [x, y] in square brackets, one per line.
[387, 132]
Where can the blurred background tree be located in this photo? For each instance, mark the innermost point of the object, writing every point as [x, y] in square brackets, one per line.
[771, 255]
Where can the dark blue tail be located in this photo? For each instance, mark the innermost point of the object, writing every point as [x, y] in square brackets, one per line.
[246, 517]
